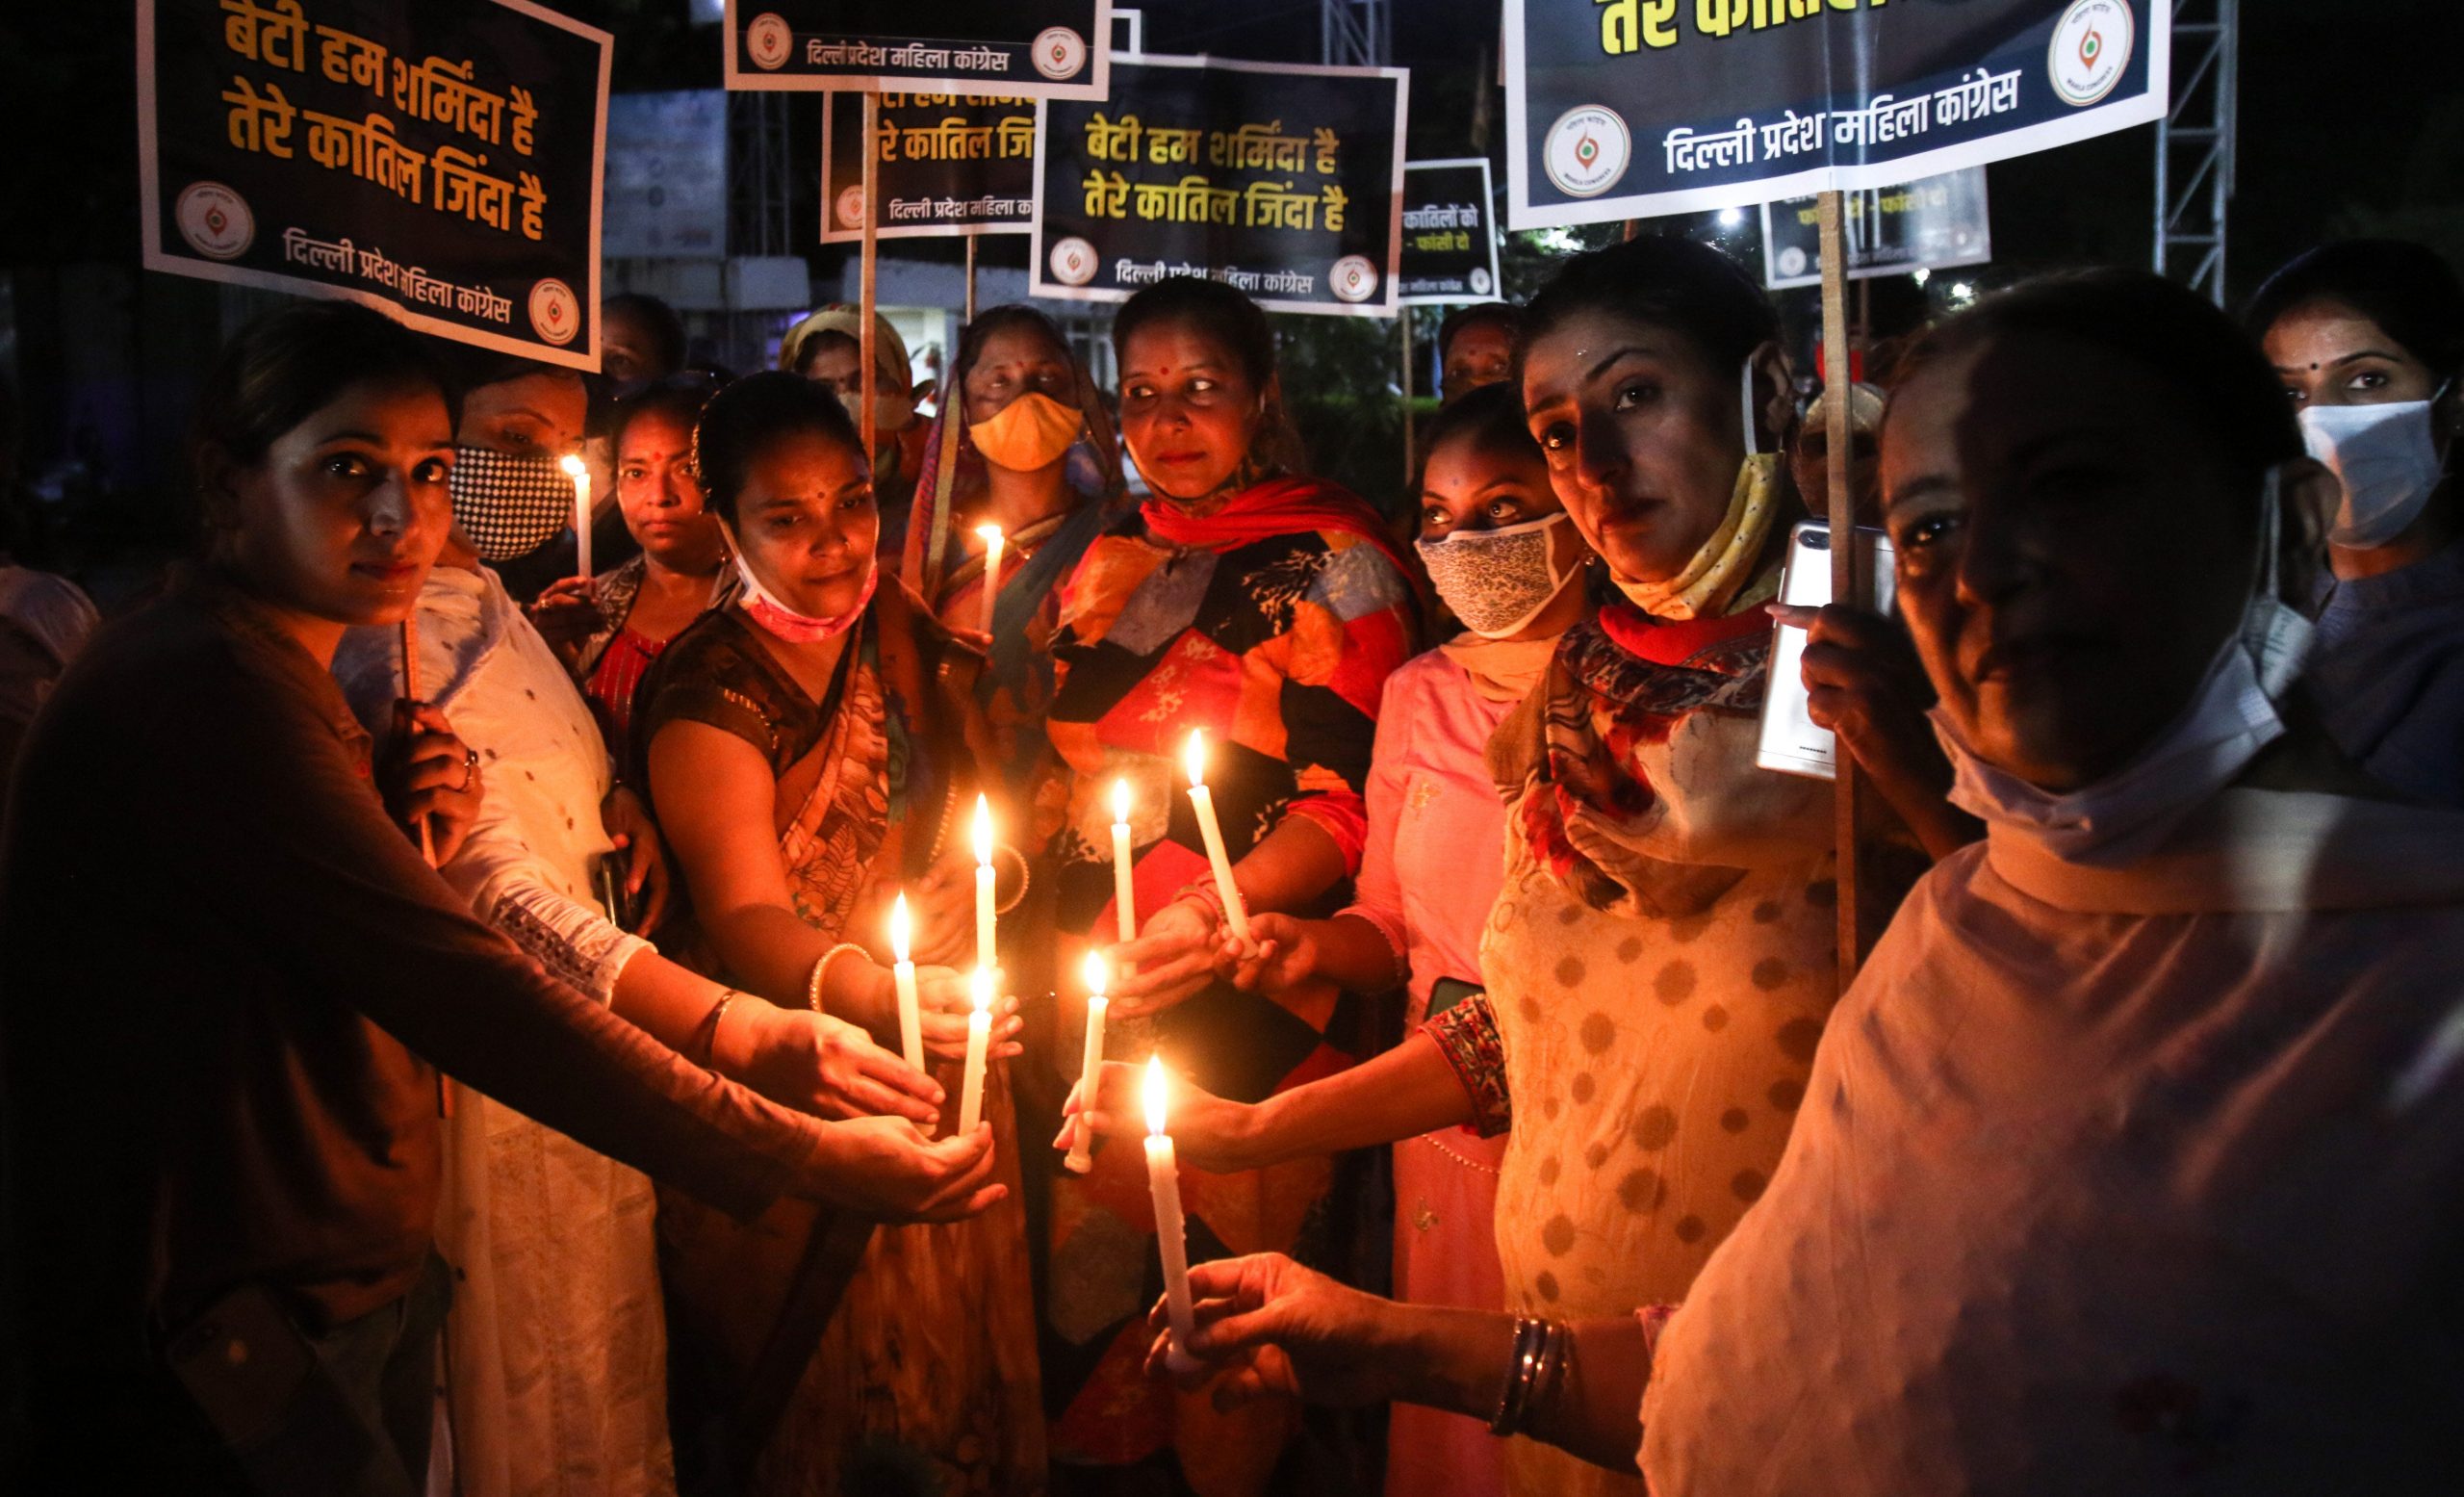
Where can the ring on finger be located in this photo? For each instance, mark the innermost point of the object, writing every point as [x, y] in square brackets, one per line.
[470, 769]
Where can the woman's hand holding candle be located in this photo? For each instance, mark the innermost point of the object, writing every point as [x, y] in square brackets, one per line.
[819, 1065]
[944, 997]
[1171, 960]
[1212, 1134]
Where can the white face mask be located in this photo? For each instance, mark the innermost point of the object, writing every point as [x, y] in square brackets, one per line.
[1497, 581]
[2386, 460]
[2229, 718]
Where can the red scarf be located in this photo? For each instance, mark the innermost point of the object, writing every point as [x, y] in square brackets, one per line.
[1278, 506]
[1664, 643]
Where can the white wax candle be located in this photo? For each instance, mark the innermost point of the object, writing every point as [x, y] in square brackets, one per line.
[979, 1042]
[984, 946]
[1234, 915]
[580, 472]
[1172, 1231]
[1124, 887]
[993, 543]
[910, 1020]
[1090, 1067]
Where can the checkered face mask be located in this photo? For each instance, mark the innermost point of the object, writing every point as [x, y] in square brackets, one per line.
[507, 505]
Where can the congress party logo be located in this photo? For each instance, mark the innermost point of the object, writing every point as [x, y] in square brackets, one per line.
[851, 208]
[1479, 280]
[2090, 48]
[1072, 261]
[1586, 150]
[555, 312]
[769, 40]
[1059, 52]
[214, 221]
[1352, 279]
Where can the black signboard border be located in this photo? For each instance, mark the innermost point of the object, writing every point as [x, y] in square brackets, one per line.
[1488, 224]
[1041, 284]
[2087, 124]
[830, 235]
[1099, 84]
[149, 172]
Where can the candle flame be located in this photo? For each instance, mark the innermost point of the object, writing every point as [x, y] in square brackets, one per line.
[984, 831]
[902, 928]
[980, 990]
[574, 468]
[990, 536]
[1196, 757]
[1121, 801]
[1154, 1094]
[1096, 974]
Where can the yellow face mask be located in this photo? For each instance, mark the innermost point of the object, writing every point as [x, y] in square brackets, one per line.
[1031, 432]
[1724, 564]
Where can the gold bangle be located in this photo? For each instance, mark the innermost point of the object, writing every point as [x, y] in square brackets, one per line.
[1025, 879]
[710, 1044]
[821, 969]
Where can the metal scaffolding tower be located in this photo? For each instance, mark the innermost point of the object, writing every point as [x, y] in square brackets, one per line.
[757, 167]
[2195, 144]
[1355, 32]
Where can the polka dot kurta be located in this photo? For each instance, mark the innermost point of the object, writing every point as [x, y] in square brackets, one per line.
[1655, 1051]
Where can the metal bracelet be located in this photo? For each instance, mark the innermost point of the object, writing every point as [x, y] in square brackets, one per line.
[1025, 879]
[710, 1044]
[1522, 1366]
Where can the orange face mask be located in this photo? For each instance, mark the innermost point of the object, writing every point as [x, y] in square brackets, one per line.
[1031, 432]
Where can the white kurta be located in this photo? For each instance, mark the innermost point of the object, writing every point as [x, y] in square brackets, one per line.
[556, 1344]
[2115, 1182]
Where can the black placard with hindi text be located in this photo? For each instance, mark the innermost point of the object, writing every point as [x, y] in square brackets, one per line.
[947, 164]
[1282, 180]
[440, 160]
[1050, 49]
[1449, 241]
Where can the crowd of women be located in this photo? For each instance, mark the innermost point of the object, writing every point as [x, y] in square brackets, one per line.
[450, 1032]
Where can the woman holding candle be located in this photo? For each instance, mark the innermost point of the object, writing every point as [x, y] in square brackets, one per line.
[259, 1142]
[1506, 560]
[2137, 1142]
[1659, 962]
[809, 750]
[1267, 609]
[612, 627]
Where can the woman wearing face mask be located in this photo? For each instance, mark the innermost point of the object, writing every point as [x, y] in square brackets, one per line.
[511, 495]
[258, 1147]
[1509, 563]
[2140, 1136]
[2369, 340]
[1026, 409]
[1266, 608]
[827, 347]
[1658, 963]
[611, 628]
[809, 750]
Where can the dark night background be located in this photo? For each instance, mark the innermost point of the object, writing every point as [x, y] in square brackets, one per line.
[2352, 122]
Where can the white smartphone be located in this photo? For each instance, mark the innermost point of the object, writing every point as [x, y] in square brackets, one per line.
[1791, 742]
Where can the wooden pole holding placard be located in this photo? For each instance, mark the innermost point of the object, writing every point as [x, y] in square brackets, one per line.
[1845, 574]
[1411, 443]
[869, 263]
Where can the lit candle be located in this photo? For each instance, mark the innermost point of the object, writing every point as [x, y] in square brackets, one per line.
[1125, 887]
[1171, 1232]
[1234, 915]
[984, 956]
[979, 1040]
[910, 1025]
[579, 473]
[1091, 1068]
[993, 542]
